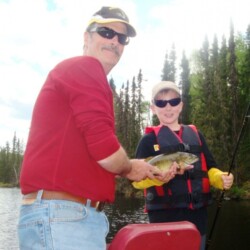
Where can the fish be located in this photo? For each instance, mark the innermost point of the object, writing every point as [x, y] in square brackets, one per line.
[164, 161]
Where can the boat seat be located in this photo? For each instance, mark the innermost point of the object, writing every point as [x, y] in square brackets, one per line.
[157, 236]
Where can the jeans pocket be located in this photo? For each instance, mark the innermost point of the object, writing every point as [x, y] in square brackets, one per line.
[67, 211]
[75, 227]
[32, 235]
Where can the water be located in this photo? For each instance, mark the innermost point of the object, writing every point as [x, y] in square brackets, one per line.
[231, 231]
[232, 227]
[9, 208]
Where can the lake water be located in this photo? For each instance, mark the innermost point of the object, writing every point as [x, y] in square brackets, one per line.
[232, 230]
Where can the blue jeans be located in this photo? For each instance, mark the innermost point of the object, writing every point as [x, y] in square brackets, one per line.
[61, 225]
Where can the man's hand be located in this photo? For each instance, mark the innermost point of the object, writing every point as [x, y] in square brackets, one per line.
[169, 174]
[172, 171]
[141, 170]
[183, 170]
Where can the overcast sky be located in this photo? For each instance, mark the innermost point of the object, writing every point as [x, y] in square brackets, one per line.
[37, 34]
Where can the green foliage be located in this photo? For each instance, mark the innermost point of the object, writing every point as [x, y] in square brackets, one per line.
[218, 96]
[10, 162]
[237, 193]
[155, 120]
[131, 113]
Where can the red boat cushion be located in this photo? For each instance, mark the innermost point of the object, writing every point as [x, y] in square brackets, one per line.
[157, 236]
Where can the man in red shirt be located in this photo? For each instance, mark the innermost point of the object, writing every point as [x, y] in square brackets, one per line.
[73, 154]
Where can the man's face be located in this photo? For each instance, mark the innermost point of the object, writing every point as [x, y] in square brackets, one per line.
[107, 51]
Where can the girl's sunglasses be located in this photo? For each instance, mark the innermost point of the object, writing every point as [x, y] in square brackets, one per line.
[109, 34]
[163, 103]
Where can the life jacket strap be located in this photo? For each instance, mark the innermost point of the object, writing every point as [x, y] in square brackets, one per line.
[181, 147]
[191, 175]
[172, 201]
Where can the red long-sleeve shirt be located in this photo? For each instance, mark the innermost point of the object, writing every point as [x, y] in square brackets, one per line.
[72, 128]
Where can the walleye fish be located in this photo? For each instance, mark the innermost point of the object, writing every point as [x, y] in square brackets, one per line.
[164, 161]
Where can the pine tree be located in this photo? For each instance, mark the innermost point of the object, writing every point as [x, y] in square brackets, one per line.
[242, 50]
[216, 117]
[139, 104]
[134, 137]
[233, 86]
[126, 114]
[172, 58]
[243, 68]
[185, 88]
[169, 69]
[204, 120]
[10, 162]
[223, 117]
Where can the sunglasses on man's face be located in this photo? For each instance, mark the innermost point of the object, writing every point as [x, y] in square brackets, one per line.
[163, 103]
[109, 34]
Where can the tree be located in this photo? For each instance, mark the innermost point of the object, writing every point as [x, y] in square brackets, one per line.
[169, 69]
[185, 88]
[10, 162]
[233, 84]
[222, 122]
[140, 110]
[202, 91]
[242, 51]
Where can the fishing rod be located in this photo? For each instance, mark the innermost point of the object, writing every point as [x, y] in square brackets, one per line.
[229, 171]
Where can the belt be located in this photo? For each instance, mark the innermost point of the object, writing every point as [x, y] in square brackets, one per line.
[56, 195]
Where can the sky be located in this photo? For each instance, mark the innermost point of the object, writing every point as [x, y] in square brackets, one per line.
[35, 35]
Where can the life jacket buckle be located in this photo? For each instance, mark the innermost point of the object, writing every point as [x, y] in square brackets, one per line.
[185, 147]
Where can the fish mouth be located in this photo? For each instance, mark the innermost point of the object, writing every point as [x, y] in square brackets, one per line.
[190, 163]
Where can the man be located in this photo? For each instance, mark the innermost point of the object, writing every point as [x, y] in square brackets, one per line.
[73, 154]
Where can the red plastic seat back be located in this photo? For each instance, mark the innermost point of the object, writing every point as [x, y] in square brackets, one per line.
[157, 236]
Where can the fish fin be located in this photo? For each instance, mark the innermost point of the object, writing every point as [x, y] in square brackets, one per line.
[148, 158]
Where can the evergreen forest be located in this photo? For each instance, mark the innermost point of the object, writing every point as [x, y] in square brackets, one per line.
[215, 86]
